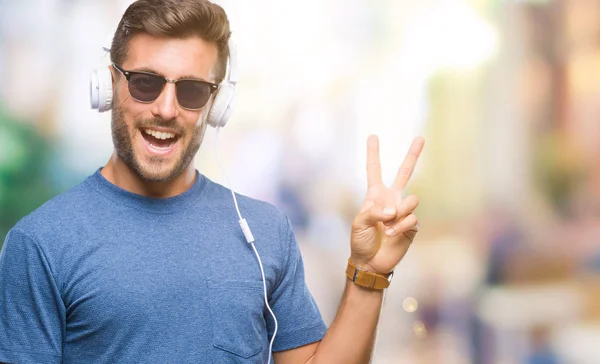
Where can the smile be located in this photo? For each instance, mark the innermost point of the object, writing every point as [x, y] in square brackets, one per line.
[159, 142]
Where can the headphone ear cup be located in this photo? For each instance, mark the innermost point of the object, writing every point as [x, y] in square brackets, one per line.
[222, 106]
[101, 89]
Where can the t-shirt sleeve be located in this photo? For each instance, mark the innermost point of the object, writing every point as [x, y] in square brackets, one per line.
[32, 313]
[298, 317]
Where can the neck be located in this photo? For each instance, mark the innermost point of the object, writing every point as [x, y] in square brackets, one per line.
[119, 174]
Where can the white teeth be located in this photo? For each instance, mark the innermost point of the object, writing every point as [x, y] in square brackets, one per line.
[158, 134]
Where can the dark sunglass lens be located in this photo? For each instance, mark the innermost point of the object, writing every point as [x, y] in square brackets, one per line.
[193, 94]
[145, 87]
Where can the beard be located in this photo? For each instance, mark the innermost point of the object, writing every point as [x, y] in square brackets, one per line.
[154, 169]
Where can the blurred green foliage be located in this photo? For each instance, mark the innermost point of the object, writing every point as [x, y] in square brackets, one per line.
[25, 171]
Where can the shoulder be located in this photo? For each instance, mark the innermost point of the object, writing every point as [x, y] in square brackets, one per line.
[59, 212]
[268, 223]
[220, 196]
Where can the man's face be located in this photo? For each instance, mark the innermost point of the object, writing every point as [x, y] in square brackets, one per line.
[159, 140]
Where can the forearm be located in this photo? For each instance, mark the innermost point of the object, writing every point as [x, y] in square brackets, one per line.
[350, 338]
[382, 232]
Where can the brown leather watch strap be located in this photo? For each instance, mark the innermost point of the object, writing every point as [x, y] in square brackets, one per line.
[368, 279]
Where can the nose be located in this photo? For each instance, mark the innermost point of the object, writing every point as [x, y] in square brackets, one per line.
[166, 106]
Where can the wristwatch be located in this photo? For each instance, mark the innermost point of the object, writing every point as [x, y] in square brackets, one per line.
[366, 279]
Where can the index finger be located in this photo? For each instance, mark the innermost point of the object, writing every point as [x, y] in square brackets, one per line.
[373, 163]
[408, 165]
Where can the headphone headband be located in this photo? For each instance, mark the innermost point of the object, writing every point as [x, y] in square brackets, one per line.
[232, 76]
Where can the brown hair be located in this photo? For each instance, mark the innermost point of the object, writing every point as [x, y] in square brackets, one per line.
[174, 19]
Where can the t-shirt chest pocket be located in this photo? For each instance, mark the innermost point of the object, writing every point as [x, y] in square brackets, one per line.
[238, 323]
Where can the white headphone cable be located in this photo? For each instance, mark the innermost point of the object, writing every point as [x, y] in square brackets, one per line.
[250, 239]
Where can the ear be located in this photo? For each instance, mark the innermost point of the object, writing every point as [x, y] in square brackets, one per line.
[112, 74]
[114, 79]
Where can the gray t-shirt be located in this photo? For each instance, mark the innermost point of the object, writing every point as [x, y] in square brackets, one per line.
[102, 275]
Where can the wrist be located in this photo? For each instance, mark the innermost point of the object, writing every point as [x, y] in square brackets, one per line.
[368, 279]
[363, 265]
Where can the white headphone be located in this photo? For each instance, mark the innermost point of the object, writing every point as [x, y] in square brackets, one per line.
[101, 89]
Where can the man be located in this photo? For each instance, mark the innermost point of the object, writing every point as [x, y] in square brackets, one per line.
[145, 261]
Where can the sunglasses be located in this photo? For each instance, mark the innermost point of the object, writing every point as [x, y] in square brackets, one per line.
[145, 87]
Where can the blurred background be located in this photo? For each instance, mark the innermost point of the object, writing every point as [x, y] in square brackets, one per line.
[506, 268]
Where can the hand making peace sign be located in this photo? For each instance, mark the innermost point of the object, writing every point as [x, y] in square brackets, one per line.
[386, 225]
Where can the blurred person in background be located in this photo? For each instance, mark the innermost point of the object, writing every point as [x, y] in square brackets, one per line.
[145, 260]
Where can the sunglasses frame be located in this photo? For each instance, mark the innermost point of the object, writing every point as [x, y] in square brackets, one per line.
[128, 74]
